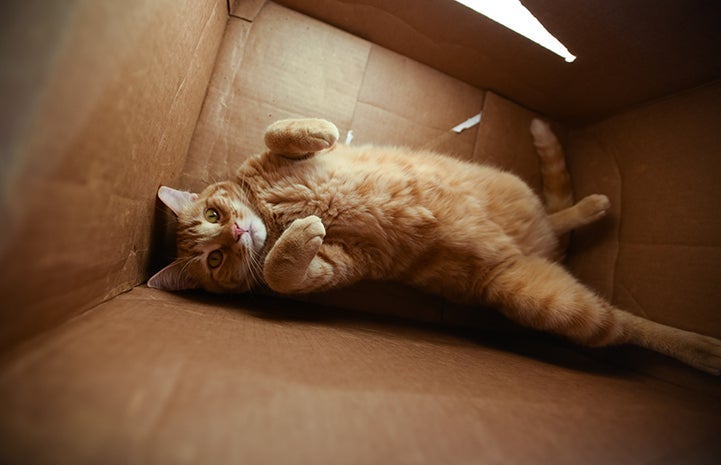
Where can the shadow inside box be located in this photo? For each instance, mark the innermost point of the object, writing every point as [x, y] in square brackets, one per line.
[506, 336]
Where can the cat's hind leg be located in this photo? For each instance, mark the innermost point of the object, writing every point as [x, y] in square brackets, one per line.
[538, 293]
[587, 210]
[557, 192]
[299, 138]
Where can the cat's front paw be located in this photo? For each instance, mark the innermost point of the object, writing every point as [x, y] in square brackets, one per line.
[299, 137]
[286, 265]
[307, 232]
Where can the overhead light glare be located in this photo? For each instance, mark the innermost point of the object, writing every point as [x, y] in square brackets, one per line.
[516, 17]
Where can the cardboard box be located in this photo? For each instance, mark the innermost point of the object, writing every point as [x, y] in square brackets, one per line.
[104, 102]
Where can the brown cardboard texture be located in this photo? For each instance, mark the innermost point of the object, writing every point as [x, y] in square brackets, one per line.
[628, 52]
[110, 119]
[103, 103]
[178, 379]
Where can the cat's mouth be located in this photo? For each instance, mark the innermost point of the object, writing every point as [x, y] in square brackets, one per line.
[254, 237]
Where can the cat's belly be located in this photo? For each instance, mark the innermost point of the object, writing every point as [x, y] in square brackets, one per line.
[401, 213]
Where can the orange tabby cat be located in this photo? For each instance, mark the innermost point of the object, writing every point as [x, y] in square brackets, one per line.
[310, 215]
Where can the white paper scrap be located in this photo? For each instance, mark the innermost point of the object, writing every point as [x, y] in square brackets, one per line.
[469, 123]
[349, 137]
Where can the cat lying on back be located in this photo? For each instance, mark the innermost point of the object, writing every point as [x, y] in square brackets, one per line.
[309, 215]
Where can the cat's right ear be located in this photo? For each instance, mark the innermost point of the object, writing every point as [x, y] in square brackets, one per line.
[173, 277]
[176, 200]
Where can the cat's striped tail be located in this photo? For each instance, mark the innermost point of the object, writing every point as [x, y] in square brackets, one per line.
[557, 191]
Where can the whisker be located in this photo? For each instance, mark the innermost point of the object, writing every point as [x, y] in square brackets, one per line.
[255, 268]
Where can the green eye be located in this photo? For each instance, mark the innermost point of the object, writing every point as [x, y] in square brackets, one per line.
[212, 215]
[215, 258]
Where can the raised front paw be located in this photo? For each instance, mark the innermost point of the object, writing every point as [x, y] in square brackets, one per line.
[286, 265]
[307, 233]
[299, 137]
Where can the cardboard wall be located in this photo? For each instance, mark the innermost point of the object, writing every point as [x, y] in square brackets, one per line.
[264, 73]
[628, 52]
[158, 378]
[660, 253]
[102, 98]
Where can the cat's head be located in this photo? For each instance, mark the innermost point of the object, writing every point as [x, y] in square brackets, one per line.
[219, 240]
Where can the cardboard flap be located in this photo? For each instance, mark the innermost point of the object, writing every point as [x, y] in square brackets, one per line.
[628, 52]
[109, 122]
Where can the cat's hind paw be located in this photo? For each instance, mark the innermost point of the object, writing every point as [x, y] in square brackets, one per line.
[704, 353]
[593, 207]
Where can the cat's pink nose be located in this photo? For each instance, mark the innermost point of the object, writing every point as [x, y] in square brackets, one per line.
[237, 231]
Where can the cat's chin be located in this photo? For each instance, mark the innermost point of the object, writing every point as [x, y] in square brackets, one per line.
[258, 234]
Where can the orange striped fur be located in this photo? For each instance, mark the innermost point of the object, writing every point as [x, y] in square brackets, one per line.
[309, 215]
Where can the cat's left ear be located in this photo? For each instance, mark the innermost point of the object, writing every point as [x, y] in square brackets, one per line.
[173, 277]
[176, 200]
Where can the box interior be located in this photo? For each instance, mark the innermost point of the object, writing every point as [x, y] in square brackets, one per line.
[119, 99]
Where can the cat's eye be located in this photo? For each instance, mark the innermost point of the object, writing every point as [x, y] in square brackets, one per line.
[215, 258]
[212, 215]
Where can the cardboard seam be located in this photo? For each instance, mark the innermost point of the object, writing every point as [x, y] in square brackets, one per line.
[223, 92]
[484, 97]
[614, 277]
[476, 130]
[356, 6]
[203, 37]
[439, 44]
[20, 348]
[671, 244]
[447, 128]
[639, 306]
[358, 92]
[281, 104]
[190, 69]
[231, 14]
[240, 18]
